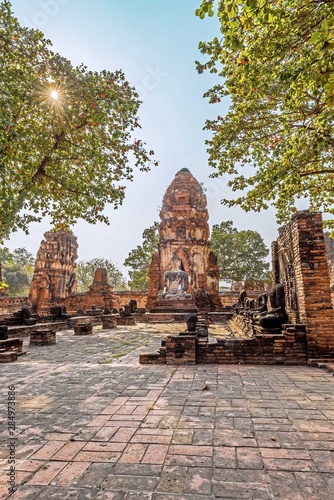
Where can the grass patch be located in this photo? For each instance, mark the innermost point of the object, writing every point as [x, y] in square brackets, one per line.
[124, 344]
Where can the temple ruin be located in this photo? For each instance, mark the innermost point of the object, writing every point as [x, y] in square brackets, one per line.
[293, 323]
[300, 263]
[54, 277]
[184, 235]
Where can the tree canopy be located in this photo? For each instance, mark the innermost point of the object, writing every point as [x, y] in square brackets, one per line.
[276, 142]
[241, 254]
[17, 270]
[85, 273]
[66, 133]
[139, 259]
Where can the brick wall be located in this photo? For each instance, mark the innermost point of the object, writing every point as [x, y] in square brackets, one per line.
[181, 350]
[9, 305]
[123, 297]
[287, 348]
[303, 269]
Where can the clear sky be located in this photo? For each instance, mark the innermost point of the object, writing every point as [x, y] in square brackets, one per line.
[155, 43]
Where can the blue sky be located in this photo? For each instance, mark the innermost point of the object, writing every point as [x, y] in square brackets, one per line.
[155, 44]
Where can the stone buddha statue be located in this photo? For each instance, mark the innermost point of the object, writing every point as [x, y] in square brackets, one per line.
[277, 315]
[175, 282]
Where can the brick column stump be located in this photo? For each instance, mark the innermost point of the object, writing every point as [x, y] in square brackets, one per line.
[181, 350]
[83, 329]
[109, 322]
[43, 337]
[126, 320]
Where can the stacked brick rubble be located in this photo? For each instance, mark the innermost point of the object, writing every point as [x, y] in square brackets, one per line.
[54, 278]
[301, 265]
[184, 231]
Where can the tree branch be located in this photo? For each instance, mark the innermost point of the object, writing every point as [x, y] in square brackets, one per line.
[325, 171]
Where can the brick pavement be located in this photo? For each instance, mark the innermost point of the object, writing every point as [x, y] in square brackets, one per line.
[93, 423]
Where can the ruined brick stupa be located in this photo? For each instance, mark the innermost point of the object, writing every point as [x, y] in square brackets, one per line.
[54, 277]
[184, 240]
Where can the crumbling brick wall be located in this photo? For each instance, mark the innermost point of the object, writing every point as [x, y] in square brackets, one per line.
[300, 263]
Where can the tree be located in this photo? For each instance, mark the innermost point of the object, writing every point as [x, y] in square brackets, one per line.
[17, 270]
[5, 256]
[139, 259]
[276, 142]
[241, 254]
[66, 133]
[85, 273]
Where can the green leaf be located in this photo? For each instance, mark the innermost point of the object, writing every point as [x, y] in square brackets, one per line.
[316, 35]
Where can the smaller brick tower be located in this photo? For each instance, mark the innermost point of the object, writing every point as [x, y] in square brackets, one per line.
[54, 277]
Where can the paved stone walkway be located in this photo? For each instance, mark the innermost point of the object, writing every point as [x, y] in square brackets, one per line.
[92, 423]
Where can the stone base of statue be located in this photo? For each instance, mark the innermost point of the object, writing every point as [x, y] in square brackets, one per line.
[126, 320]
[109, 321]
[174, 306]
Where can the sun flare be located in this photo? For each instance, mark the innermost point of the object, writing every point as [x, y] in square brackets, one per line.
[54, 94]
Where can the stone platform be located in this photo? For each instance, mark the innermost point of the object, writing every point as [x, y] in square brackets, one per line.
[91, 425]
[92, 320]
[180, 317]
[174, 306]
[24, 331]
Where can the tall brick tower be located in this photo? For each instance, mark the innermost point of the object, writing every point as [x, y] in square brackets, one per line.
[184, 231]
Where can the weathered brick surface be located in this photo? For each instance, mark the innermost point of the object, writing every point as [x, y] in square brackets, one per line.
[185, 432]
[14, 345]
[126, 320]
[109, 322]
[83, 329]
[286, 348]
[43, 337]
[300, 263]
[54, 276]
[8, 357]
[181, 350]
[99, 294]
